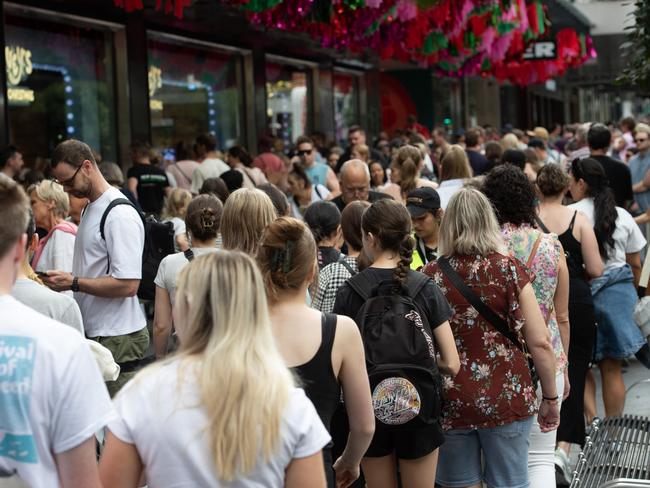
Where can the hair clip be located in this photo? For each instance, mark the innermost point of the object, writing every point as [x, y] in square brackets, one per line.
[207, 218]
[288, 248]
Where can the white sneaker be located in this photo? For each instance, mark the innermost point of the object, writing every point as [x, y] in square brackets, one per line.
[562, 468]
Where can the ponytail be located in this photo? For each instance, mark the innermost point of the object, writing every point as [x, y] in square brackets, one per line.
[405, 258]
[407, 161]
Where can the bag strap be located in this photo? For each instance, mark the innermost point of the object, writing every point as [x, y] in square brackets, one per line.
[111, 206]
[189, 254]
[362, 285]
[187, 178]
[485, 311]
[541, 224]
[346, 265]
[533, 252]
[317, 191]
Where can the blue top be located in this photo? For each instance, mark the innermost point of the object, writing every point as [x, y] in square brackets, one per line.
[317, 174]
[639, 166]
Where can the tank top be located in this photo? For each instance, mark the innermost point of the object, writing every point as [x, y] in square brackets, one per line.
[319, 381]
[579, 290]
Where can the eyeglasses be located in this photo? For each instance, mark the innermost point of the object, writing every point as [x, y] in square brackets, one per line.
[68, 183]
[304, 152]
[638, 140]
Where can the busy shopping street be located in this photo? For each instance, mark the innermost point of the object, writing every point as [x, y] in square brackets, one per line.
[325, 244]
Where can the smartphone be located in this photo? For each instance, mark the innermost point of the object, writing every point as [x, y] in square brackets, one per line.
[41, 274]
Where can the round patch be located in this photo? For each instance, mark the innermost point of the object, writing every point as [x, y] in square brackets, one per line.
[395, 401]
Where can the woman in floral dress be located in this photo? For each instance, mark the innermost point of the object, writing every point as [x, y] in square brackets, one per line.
[492, 400]
[513, 198]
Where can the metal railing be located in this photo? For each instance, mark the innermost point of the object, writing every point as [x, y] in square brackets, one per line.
[617, 451]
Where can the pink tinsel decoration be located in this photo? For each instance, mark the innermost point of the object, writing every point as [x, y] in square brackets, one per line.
[460, 21]
[406, 10]
[373, 3]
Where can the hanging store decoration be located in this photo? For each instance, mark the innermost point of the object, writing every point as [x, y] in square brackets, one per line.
[453, 37]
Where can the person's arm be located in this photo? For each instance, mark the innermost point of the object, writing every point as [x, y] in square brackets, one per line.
[358, 402]
[306, 471]
[589, 247]
[561, 306]
[162, 322]
[449, 362]
[646, 180]
[77, 467]
[132, 185]
[120, 465]
[106, 286]
[644, 218]
[539, 345]
[182, 242]
[332, 183]
[634, 260]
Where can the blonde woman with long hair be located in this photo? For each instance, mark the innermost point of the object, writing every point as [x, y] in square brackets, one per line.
[491, 401]
[246, 214]
[224, 411]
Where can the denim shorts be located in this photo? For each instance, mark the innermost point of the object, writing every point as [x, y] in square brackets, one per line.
[497, 456]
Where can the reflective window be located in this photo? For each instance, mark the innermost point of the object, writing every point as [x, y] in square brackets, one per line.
[346, 104]
[193, 90]
[287, 101]
[59, 85]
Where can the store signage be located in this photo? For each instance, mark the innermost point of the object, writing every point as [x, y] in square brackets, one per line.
[155, 80]
[20, 95]
[541, 51]
[19, 64]
[156, 105]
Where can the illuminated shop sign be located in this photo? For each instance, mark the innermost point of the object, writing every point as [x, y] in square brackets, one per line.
[155, 84]
[19, 67]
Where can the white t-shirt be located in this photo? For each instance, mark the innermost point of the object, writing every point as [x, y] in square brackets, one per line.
[179, 229]
[57, 306]
[160, 416]
[108, 317]
[209, 168]
[171, 266]
[447, 189]
[627, 236]
[58, 252]
[52, 396]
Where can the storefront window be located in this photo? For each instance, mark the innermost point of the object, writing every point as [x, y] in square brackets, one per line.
[59, 86]
[287, 100]
[346, 104]
[193, 90]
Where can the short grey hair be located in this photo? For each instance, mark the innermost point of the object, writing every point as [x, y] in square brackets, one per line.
[356, 164]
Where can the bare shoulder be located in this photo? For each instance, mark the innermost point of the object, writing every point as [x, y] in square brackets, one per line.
[424, 183]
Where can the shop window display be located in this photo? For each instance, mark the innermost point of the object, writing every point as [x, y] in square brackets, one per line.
[346, 104]
[287, 100]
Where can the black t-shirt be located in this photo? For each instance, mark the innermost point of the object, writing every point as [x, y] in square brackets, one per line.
[620, 179]
[373, 196]
[430, 300]
[478, 162]
[152, 182]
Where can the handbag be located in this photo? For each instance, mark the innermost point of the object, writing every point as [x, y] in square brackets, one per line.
[488, 314]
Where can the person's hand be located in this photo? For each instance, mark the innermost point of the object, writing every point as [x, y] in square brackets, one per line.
[57, 280]
[548, 417]
[346, 473]
[567, 385]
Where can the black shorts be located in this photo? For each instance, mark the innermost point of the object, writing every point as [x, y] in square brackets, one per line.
[406, 443]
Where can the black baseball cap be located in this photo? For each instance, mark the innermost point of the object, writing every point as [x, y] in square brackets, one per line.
[422, 200]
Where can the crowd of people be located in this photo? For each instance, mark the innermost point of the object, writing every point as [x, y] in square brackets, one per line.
[422, 310]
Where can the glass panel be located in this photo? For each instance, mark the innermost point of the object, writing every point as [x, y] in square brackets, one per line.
[286, 101]
[192, 90]
[346, 103]
[59, 85]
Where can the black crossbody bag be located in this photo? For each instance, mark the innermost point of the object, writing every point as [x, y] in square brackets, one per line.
[487, 313]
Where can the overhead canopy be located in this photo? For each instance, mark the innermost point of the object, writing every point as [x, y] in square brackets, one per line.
[452, 37]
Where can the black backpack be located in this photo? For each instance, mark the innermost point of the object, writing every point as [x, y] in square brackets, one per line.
[400, 356]
[158, 243]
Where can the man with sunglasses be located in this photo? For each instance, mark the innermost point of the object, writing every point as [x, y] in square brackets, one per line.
[318, 173]
[640, 167]
[106, 271]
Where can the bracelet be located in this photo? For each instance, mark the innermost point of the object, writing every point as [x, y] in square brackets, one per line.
[554, 399]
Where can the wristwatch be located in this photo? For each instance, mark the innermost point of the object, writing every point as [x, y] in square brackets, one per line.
[75, 284]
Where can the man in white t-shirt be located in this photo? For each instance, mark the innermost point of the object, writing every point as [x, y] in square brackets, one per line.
[105, 272]
[52, 398]
[211, 166]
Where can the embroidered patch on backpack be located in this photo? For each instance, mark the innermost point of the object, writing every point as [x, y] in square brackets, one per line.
[395, 401]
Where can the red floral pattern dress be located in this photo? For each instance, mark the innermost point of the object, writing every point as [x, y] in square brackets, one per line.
[493, 386]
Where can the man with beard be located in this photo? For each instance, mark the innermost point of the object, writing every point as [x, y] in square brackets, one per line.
[106, 271]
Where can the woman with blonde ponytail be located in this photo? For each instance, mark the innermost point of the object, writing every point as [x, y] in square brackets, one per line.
[224, 411]
[386, 231]
[405, 173]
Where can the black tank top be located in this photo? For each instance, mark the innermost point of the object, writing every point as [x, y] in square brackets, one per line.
[319, 382]
[579, 290]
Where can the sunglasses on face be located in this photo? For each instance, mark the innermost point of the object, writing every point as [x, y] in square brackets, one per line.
[304, 152]
[68, 183]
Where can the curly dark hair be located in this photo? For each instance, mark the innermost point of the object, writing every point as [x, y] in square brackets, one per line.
[511, 195]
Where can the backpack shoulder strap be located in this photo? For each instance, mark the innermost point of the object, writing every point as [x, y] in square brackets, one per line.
[416, 281]
[346, 265]
[484, 310]
[362, 285]
[189, 254]
[111, 206]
